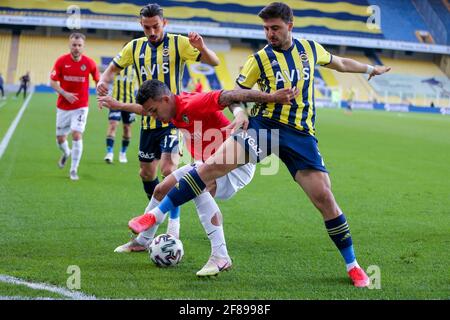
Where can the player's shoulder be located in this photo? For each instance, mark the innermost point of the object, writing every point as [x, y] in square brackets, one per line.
[63, 57]
[138, 40]
[178, 36]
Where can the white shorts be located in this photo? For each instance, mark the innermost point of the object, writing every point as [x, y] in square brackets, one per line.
[71, 120]
[228, 185]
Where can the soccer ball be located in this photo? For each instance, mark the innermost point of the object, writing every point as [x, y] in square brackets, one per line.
[166, 250]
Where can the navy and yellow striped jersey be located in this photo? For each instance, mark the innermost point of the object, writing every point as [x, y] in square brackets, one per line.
[123, 85]
[164, 61]
[273, 69]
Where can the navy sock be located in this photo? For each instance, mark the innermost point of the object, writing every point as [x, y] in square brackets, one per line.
[189, 187]
[109, 144]
[149, 187]
[339, 232]
[125, 144]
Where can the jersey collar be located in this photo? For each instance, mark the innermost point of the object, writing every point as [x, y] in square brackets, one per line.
[157, 44]
[287, 50]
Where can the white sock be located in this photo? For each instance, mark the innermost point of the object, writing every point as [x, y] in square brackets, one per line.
[77, 150]
[144, 238]
[352, 265]
[206, 209]
[173, 227]
[64, 147]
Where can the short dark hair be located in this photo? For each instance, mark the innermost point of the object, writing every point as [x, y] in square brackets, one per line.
[77, 35]
[151, 10]
[152, 89]
[277, 10]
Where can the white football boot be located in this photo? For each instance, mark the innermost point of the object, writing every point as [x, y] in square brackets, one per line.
[62, 161]
[214, 266]
[131, 246]
[123, 157]
[109, 157]
[74, 175]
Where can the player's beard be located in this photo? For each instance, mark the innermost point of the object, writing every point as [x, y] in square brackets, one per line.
[76, 55]
[280, 43]
[154, 40]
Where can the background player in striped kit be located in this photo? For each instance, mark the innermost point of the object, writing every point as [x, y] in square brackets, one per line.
[162, 56]
[123, 90]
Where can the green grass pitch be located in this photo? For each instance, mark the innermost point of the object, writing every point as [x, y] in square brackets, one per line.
[390, 174]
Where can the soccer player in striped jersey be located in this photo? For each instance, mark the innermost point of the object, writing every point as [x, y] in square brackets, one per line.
[285, 62]
[123, 90]
[162, 56]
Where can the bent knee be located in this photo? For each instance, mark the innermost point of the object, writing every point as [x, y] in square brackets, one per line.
[160, 192]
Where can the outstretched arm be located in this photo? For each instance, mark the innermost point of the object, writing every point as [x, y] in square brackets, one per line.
[283, 96]
[111, 103]
[349, 65]
[232, 98]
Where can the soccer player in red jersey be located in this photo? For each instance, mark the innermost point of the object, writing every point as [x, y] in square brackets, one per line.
[201, 117]
[70, 78]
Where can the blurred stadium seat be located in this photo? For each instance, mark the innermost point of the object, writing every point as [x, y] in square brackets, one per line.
[417, 77]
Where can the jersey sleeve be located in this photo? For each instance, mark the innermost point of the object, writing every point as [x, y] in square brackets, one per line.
[187, 51]
[55, 75]
[125, 57]
[201, 105]
[323, 56]
[250, 73]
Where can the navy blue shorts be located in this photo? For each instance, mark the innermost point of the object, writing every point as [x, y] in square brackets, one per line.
[156, 141]
[298, 151]
[125, 116]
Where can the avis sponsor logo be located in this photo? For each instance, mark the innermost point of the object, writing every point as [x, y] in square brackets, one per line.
[250, 141]
[146, 155]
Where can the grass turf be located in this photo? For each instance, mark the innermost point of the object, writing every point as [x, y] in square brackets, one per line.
[390, 174]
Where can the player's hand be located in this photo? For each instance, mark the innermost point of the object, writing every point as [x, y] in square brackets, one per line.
[284, 96]
[108, 102]
[102, 88]
[71, 97]
[378, 70]
[240, 121]
[196, 40]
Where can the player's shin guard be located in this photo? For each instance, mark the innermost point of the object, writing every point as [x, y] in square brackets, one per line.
[173, 225]
[339, 232]
[206, 209]
[64, 147]
[189, 187]
[149, 187]
[125, 144]
[77, 151]
[109, 144]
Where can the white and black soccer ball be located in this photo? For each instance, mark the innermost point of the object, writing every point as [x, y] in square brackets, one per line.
[166, 250]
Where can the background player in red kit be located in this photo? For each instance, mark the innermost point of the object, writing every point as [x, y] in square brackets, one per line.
[70, 78]
[201, 117]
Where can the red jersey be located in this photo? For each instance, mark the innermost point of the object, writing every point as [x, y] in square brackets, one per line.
[73, 76]
[200, 114]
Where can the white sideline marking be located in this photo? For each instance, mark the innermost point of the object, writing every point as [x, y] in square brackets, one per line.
[12, 127]
[47, 287]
